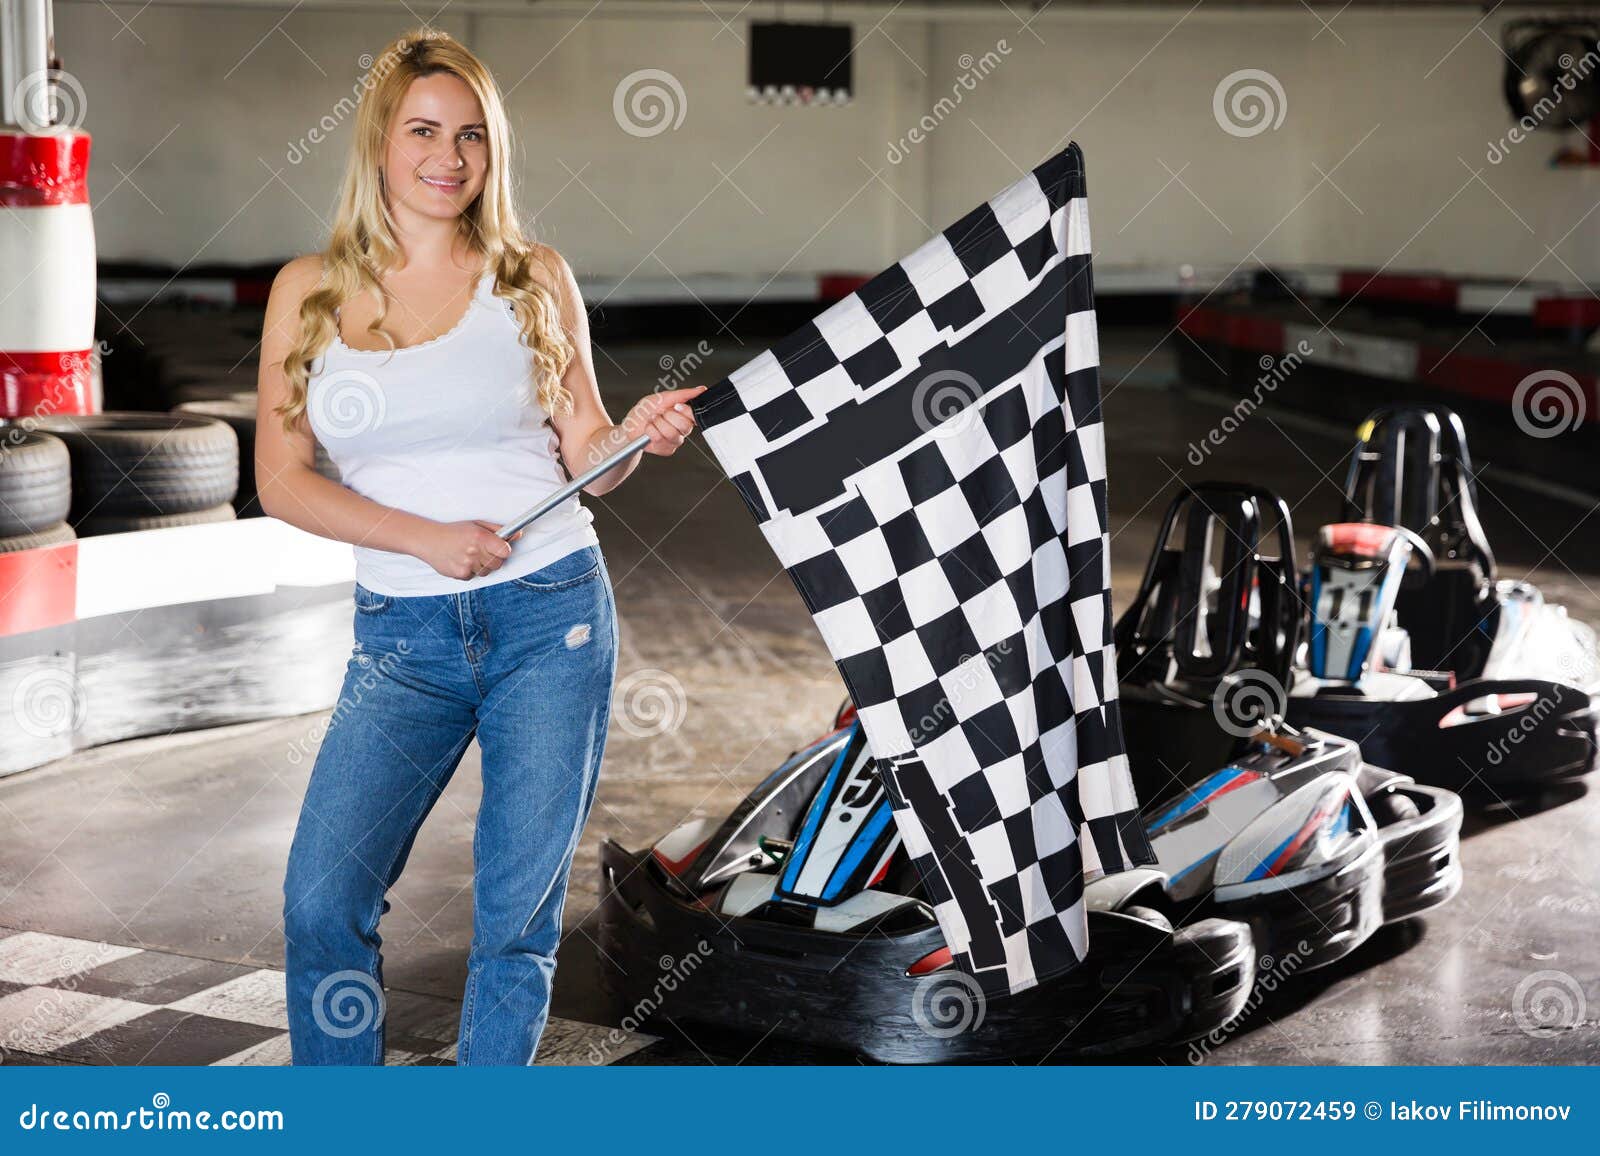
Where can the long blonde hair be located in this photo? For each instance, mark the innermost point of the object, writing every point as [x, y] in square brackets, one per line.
[362, 246]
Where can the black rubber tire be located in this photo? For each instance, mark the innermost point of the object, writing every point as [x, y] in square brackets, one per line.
[35, 481]
[48, 536]
[127, 523]
[147, 463]
[239, 411]
[241, 418]
[1392, 807]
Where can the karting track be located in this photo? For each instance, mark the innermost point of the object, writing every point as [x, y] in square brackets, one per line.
[176, 845]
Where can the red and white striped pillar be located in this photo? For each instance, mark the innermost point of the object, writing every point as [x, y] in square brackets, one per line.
[48, 256]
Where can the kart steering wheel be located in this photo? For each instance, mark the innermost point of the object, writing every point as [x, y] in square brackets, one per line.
[1420, 565]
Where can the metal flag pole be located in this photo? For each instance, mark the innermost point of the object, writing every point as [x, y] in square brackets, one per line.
[572, 487]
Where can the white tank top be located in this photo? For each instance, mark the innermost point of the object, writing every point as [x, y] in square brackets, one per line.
[451, 430]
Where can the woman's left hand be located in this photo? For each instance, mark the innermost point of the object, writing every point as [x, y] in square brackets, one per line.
[665, 416]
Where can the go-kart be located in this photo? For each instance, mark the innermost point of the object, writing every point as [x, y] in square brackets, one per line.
[1295, 832]
[1412, 469]
[800, 916]
[1489, 738]
[1212, 646]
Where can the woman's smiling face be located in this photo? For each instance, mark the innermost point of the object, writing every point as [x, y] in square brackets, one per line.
[438, 153]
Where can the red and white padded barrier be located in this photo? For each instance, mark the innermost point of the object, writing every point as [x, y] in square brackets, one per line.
[47, 251]
[1372, 355]
[119, 573]
[1547, 304]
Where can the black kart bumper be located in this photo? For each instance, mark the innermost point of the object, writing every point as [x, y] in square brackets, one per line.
[1317, 923]
[1422, 856]
[1141, 986]
[1485, 759]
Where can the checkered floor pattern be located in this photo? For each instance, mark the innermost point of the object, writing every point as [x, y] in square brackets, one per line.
[74, 1001]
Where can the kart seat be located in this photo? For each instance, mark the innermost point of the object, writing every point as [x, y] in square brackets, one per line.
[1412, 469]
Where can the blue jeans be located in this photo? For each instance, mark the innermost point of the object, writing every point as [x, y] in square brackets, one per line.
[527, 665]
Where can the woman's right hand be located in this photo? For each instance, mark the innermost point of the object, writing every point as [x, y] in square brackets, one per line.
[464, 550]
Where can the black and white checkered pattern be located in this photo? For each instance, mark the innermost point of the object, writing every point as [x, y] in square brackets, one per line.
[927, 459]
[76, 1001]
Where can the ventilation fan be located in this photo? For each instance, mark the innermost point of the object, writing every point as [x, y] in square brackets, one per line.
[1552, 72]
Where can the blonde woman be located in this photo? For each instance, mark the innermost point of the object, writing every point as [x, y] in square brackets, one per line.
[442, 360]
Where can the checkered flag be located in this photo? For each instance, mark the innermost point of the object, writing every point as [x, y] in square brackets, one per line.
[927, 460]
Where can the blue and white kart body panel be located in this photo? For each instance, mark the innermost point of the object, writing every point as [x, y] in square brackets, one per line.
[1355, 578]
[1249, 832]
[848, 834]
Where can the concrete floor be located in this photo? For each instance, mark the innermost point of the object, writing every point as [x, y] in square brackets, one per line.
[177, 844]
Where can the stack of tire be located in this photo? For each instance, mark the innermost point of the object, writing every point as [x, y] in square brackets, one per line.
[239, 412]
[145, 471]
[35, 490]
[198, 362]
